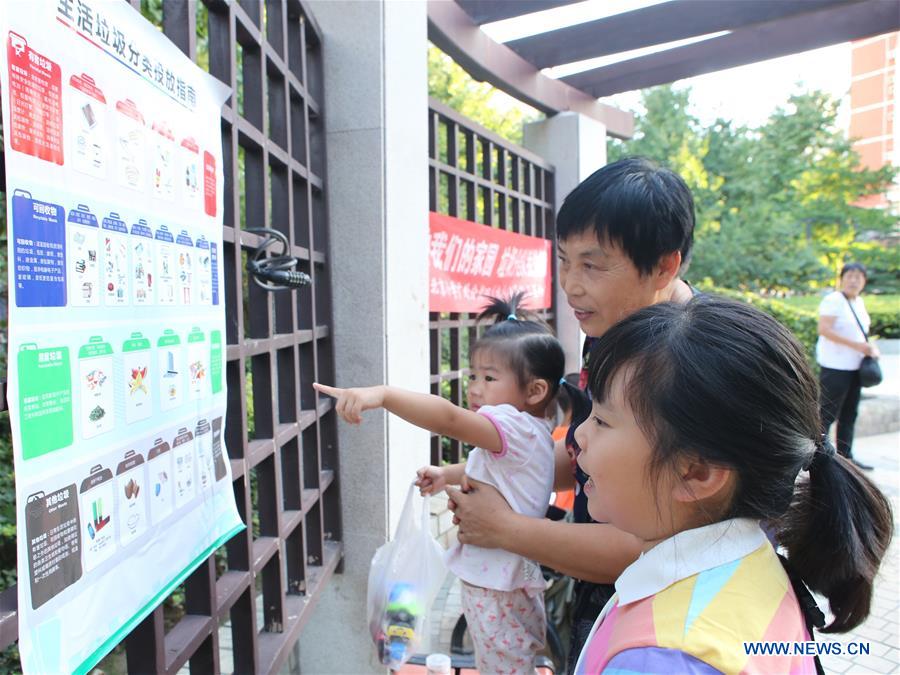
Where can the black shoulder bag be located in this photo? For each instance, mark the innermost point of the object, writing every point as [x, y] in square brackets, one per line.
[869, 370]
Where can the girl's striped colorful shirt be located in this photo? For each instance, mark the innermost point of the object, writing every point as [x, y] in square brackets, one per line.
[691, 603]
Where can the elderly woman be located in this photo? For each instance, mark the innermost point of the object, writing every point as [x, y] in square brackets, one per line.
[624, 236]
[843, 331]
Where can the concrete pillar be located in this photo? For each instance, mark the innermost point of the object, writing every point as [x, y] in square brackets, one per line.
[576, 146]
[376, 137]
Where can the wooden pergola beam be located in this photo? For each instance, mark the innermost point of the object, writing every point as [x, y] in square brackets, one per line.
[657, 24]
[454, 32]
[779, 38]
[486, 11]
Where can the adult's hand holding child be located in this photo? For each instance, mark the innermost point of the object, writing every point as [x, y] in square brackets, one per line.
[481, 513]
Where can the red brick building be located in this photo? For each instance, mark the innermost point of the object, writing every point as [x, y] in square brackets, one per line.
[874, 109]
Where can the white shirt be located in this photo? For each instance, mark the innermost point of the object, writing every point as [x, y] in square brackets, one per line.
[523, 473]
[830, 354]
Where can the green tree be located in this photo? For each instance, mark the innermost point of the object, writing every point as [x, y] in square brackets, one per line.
[479, 101]
[776, 206]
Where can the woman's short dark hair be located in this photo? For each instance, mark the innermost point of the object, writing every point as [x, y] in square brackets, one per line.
[854, 267]
[646, 209]
[722, 381]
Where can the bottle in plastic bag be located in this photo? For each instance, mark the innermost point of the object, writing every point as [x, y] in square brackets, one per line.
[399, 624]
[404, 577]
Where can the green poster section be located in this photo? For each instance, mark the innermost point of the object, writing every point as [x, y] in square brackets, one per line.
[95, 347]
[135, 343]
[215, 360]
[45, 399]
[168, 339]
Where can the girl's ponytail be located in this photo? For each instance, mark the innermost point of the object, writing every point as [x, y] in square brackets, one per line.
[836, 532]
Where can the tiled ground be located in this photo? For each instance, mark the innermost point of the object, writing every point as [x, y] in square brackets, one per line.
[882, 629]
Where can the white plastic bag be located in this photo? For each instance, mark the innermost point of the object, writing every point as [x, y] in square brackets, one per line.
[405, 575]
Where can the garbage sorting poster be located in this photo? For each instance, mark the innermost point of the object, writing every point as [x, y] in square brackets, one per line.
[116, 385]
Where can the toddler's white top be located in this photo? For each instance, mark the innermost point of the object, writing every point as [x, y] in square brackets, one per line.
[523, 473]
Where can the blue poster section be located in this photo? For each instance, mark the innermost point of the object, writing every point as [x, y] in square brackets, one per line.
[214, 262]
[40, 252]
[83, 216]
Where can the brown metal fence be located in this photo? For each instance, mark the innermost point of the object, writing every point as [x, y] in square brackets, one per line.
[476, 175]
[243, 609]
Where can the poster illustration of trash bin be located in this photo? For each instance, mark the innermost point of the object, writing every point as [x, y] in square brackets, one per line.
[131, 497]
[96, 386]
[83, 260]
[203, 272]
[137, 378]
[165, 266]
[86, 120]
[183, 454]
[190, 176]
[130, 142]
[184, 268]
[198, 365]
[143, 273]
[170, 375]
[161, 481]
[115, 260]
[98, 525]
[203, 444]
[163, 161]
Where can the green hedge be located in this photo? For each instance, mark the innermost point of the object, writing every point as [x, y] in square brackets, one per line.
[884, 309]
[885, 322]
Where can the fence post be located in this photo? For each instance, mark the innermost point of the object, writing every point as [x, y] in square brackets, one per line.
[376, 140]
[576, 146]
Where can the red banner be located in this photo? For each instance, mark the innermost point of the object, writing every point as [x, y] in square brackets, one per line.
[468, 261]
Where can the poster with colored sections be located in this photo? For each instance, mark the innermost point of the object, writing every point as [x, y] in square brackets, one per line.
[116, 322]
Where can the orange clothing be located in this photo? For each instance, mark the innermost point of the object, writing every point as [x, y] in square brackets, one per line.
[564, 500]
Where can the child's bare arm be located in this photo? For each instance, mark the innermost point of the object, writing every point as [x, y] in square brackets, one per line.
[424, 410]
[431, 479]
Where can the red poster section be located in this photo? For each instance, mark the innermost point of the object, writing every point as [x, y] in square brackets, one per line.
[35, 101]
[468, 262]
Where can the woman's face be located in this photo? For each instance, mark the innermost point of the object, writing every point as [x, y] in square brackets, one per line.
[601, 283]
[617, 455]
[853, 282]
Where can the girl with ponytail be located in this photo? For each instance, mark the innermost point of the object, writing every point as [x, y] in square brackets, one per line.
[515, 372]
[705, 425]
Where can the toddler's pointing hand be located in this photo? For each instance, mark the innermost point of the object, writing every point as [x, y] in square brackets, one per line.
[351, 403]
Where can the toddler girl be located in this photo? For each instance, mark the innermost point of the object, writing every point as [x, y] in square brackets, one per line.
[703, 417]
[516, 367]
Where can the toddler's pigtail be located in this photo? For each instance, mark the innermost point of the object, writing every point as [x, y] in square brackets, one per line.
[498, 309]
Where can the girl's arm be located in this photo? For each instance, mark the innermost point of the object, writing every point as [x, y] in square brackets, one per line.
[431, 479]
[424, 410]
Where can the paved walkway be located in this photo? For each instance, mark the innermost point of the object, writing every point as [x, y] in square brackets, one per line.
[881, 630]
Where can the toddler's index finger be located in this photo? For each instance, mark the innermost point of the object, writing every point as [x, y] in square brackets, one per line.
[334, 392]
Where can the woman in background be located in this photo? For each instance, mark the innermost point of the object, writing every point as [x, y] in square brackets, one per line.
[840, 350]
